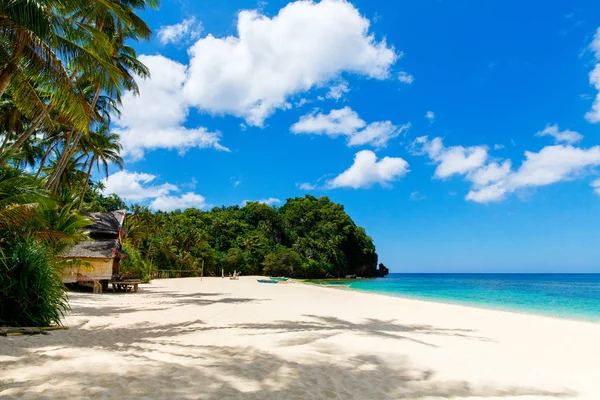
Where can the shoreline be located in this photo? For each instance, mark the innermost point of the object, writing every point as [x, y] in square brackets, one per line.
[219, 338]
[459, 304]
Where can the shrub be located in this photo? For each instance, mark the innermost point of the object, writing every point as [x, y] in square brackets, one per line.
[134, 266]
[31, 291]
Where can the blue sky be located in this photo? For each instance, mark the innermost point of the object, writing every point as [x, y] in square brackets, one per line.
[463, 135]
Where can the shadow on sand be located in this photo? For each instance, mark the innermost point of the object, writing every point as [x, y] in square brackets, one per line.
[161, 361]
[242, 373]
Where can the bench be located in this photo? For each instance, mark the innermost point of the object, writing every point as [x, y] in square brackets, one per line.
[125, 285]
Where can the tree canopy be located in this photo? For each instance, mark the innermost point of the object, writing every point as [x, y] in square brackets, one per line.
[307, 237]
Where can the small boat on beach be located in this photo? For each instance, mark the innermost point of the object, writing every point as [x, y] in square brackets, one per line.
[279, 279]
[266, 281]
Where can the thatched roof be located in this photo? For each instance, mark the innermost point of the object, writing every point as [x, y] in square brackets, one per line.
[105, 224]
[96, 249]
[104, 232]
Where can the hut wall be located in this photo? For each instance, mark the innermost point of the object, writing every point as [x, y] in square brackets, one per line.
[96, 269]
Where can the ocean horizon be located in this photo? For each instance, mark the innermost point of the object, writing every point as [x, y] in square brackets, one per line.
[568, 296]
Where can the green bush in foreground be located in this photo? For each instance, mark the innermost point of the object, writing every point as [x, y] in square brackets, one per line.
[31, 291]
[33, 230]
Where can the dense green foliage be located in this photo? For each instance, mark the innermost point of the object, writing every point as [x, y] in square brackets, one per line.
[31, 291]
[64, 66]
[33, 230]
[305, 238]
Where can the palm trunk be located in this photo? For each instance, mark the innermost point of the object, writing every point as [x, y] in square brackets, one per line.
[60, 168]
[5, 142]
[60, 160]
[86, 183]
[54, 180]
[52, 184]
[7, 74]
[35, 123]
[23, 138]
[11, 67]
[43, 162]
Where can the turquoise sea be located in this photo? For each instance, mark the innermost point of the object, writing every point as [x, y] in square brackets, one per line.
[572, 296]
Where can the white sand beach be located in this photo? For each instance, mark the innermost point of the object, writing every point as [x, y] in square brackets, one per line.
[224, 339]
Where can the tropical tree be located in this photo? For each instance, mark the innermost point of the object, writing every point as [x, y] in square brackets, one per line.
[101, 147]
[64, 66]
[33, 230]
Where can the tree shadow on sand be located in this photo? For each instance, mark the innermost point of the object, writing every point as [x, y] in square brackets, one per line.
[211, 372]
[97, 306]
[169, 361]
[326, 326]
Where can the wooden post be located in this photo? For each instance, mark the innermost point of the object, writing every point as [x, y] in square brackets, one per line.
[223, 273]
[202, 271]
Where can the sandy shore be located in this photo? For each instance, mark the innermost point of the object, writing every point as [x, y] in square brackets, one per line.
[222, 339]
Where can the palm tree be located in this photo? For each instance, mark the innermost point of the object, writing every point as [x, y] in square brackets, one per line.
[72, 175]
[104, 107]
[45, 44]
[20, 196]
[101, 148]
[38, 39]
[124, 59]
[32, 230]
[29, 154]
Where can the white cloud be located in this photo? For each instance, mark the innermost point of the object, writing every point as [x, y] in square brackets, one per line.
[367, 171]
[595, 45]
[138, 187]
[346, 122]
[490, 173]
[338, 122]
[301, 102]
[550, 165]
[498, 146]
[133, 186]
[185, 201]
[493, 180]
[430, 115]
[487, 194]
[596, 185]
[307, 186]
[185, 31]
[377, 134]
[270, 201]
[455, 160]
[417, 196]
[593, 116]
[406, 78]
[553, 164]
[567, 136]
[136, 141]
[337, 91]
[155, 118]
[460, 160]
[307, 44]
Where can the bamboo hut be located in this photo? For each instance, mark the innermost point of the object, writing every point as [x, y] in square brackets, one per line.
[98, 259]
